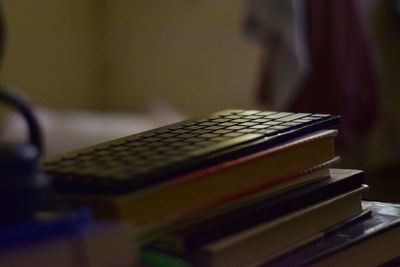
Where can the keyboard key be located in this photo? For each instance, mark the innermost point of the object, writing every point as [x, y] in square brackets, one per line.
[261, 120]
[260, 126]
[303, 121]
[248, 123]
[118, 148]
[224, 131]
[220, 138]
[187, 135]
[269, 123]
[279, 115]
[181, 131]
[208, 123]
[293, 117]
[240, 120]
[208, 136]
[166, 135]
[220, 120]
[228, 143]
[233, 117]
[201, 131]
[132, 144]
[248, 130]
[195, 127]
[153, 139]
[235, 127]
[172, 139]
[235, 134]
[195, 139]
[253, 117]
[212, 128]
[266, 113]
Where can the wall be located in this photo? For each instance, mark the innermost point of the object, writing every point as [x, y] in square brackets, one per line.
[120, 55]
[50, 53]
[189, 52]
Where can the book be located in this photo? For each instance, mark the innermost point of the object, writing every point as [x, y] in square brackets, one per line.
[169, 226]
[216, 185]
[273, 238]
[258, 208]
[370, 241]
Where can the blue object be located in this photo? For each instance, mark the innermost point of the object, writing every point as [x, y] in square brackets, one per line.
[60, 223]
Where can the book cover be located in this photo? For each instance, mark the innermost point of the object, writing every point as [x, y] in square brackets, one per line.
[259, 208]
[216, 185]
[370, 241]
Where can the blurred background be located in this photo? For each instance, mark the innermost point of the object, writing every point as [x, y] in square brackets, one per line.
[101, 69]
[122, 55]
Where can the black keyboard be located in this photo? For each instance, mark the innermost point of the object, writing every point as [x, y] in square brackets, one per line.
[144, 159]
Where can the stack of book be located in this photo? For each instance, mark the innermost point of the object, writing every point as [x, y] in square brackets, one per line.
[313, 216]
[299, 198]
[270, 207]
